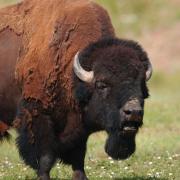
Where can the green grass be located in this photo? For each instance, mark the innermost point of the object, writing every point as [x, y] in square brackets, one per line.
[158, 144]
[7, 2]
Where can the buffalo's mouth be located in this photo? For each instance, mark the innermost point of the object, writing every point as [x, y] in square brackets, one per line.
[120, 143]
[130, 128]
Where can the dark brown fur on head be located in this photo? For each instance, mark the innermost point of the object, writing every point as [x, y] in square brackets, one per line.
[119, 75]
[101, 47]
[125, 57]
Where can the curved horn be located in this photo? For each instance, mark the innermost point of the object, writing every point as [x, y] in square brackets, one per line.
[86, 76]
[149, 71]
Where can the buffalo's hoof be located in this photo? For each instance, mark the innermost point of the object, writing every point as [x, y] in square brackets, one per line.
[79, 175]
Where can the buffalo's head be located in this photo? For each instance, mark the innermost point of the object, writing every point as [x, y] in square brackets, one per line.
[111, 89]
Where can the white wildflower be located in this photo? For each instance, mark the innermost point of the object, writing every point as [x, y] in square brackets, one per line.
[158, 157]
[150, 163]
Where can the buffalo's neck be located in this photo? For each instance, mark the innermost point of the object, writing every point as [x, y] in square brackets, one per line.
[76, 127]
[92, 126]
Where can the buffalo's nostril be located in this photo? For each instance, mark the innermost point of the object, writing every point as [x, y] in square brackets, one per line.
[134, 115]
[134, 112]
[127, 112]
[133, 109]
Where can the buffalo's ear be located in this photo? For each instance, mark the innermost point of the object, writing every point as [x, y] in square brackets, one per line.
[82, 94]
[143, 57]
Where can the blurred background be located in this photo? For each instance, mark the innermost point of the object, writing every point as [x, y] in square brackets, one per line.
[155, 24]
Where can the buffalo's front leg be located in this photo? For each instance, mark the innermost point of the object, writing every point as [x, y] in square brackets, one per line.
[45, 164]
[75, 157]
[78, 165]
[36, 140]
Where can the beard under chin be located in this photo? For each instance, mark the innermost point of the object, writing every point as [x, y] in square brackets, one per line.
[120, 147]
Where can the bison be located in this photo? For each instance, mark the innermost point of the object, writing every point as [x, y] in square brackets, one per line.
[74, 77]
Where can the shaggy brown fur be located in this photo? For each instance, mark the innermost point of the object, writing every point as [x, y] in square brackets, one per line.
[52, 32]
[9, 94]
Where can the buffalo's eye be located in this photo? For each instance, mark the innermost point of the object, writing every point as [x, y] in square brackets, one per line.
[102, 88]
[101, 85]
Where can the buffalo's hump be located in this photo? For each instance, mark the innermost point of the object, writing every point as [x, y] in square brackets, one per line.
[53, 31]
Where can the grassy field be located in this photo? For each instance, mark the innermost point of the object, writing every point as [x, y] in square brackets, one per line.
[158, 143]
[132, 18]
[7, 2]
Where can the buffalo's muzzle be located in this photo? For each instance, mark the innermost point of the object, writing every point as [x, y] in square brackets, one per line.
[133, 117]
